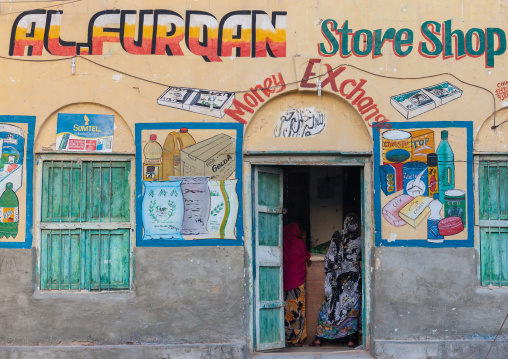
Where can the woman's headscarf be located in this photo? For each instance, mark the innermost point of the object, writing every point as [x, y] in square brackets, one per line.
[294, 255]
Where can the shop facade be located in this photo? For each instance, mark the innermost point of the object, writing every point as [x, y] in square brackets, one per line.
[151, 155]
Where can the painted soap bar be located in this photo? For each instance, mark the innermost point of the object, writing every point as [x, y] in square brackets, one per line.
[412, 103]
[391, 209]
[443, 93]
[415, 211]
[450, 226]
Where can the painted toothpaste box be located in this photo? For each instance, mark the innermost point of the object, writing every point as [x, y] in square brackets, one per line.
[214, 157]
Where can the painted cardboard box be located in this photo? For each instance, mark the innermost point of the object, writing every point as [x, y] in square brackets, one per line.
[213, 157]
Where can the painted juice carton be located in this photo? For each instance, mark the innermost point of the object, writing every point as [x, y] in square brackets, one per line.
[443, 93]
[422, 144]
[214, 157]
[412, 103]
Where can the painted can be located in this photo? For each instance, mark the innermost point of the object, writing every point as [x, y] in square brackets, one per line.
[455, 204]
[415, 179]
[396, 147]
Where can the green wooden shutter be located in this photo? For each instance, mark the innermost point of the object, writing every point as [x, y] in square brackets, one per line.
[85, 225]
[493, 210]
[268, 253]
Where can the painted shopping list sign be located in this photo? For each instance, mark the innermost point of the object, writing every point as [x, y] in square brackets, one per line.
[84, 132]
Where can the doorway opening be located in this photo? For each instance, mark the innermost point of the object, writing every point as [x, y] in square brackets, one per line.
[317, 198]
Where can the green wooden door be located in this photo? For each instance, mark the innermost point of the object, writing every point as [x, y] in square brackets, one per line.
[269, 305]
[493, 216]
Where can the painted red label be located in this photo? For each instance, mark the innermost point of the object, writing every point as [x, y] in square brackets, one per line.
[91, 145]
[76, 144]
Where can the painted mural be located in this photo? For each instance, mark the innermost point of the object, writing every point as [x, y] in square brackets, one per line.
[243, 33]
[416, 102]
[188, 187]
[423, 184]
[300, 122]
[16, 171]
[211, 103]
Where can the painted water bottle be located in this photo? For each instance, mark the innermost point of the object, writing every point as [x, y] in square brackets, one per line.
[435, 216]
[445, 165]
[9, 211]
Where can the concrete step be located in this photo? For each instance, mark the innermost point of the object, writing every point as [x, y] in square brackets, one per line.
[312, 353]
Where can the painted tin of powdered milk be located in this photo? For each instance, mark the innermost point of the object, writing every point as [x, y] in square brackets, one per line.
[396, 147]
[415, 179]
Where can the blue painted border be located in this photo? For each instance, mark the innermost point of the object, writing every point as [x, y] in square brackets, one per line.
[29, 167]
[139, 185]
[469, 242]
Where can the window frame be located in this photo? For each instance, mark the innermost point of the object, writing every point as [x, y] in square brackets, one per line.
[39, 225]
[482, 157]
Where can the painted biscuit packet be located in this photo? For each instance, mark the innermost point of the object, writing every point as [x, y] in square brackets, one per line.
[196, 197]
[162, 210]
[223, 209]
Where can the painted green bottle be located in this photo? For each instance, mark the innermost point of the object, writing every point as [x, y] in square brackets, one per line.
[9, 207]
[445, 165]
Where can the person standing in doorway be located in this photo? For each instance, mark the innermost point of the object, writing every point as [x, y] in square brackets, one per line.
[295, 259]
[339, 314]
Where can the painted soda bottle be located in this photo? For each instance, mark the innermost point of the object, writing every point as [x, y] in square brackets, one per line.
[153, 159]
[9, 212]
[445, 165]
[435, 216]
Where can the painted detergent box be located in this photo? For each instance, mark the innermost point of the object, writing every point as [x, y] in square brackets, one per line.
[416, 102]
[391, 178]
[211, 103]
[443, 93]
[214, 157]
[422, 143]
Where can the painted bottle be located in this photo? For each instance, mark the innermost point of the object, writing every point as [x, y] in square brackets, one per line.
[435, 207]
[445, 165]
[153, 159]
[174, 143]
[9, 207]
[433, 177]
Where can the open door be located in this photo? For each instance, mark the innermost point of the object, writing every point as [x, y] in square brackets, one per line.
[269, 301]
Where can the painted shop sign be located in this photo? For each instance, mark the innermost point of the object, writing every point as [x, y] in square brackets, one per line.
[439, 39]
[242, 33]
[84, 132]
[188, 185]
[423, 181]
[16, 173]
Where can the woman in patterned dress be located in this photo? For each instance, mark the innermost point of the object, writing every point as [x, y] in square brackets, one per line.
[296, 258]
[339, 314]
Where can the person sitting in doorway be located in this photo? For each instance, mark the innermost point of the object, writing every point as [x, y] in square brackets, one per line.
[295, 259]
[339, 314]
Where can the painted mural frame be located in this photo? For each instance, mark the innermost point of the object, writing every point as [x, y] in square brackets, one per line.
[29, 163]
[469, 242]
[238, 129]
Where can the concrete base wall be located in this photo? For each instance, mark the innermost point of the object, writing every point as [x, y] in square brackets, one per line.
[440, 349]
[184, 351]
[428, 303]
[187, 295]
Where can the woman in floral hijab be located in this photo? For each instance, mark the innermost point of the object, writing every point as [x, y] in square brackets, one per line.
[339, 314]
